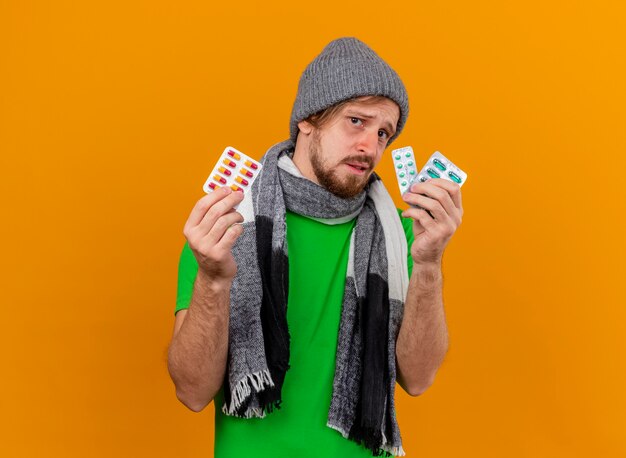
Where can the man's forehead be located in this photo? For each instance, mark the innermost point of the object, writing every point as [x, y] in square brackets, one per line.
[384, 108]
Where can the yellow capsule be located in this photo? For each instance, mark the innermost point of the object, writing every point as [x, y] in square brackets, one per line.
[251, 164]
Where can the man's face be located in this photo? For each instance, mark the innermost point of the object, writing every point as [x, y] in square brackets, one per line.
[344, 151]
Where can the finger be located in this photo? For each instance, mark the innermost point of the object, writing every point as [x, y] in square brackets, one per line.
[420, 216]
[437, 193]
[220, 227]
[230, 236]
[413, 214]
[422, 208]
[219, 209]
[452, 189]
[204, 204]
[428, 223]
[430, 204]
[455, 211]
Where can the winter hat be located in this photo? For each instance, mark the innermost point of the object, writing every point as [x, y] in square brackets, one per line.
[346, 68]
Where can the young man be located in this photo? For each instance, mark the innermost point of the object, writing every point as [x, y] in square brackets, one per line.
[299, 311]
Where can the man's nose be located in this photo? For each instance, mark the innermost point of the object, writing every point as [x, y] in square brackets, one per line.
[368, 142]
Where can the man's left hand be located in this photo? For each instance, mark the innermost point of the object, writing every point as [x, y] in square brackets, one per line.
[443, 200]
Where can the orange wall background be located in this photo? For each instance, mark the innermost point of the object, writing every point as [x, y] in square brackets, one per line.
[113, 113]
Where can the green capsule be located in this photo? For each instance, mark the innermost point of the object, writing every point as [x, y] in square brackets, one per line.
[412, 172]
[397, 157]
[432, 173]
[403, 183]
[410, 163]
[399, 166]
[408, 154]
[440, 165]
[454, 177]
[401, 174]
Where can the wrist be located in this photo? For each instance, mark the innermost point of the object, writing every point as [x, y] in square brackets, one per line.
[210, 283]
[427, 272]
[430, 258]
[431, 264]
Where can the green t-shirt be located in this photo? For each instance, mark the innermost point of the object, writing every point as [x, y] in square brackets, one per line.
[318, 260]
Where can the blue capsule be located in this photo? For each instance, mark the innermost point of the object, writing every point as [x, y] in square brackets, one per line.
[454, 177]
[440, 165]
[432, 173]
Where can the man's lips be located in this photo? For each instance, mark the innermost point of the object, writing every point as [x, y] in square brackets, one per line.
[358, 167]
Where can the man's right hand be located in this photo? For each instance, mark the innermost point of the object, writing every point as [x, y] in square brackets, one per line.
[212, 229]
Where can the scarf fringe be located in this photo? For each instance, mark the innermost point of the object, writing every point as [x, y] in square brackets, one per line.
[385, 449]
[242, 391]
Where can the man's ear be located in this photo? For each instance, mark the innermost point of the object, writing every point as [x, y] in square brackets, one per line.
[305, 127]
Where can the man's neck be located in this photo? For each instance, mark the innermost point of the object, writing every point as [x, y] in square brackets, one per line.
[301, 160]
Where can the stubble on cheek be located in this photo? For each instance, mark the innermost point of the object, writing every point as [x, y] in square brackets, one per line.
[328, 177]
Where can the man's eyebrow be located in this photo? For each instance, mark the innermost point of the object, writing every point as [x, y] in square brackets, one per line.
[360, 114]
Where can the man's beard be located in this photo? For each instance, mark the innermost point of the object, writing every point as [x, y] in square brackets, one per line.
[351, 186]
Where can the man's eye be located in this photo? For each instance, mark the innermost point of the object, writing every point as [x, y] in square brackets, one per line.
[355, 120]
[384, 134]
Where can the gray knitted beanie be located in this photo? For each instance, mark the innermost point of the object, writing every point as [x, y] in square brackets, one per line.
[346, 68]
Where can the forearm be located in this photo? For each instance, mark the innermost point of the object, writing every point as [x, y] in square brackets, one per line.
[423, 338]
[198, 351]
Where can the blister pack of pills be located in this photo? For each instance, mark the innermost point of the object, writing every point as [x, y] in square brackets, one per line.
[404, 164]
[437, 166]
[233, 169]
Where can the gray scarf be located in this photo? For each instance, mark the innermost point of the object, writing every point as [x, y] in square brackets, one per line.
[362, 405]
